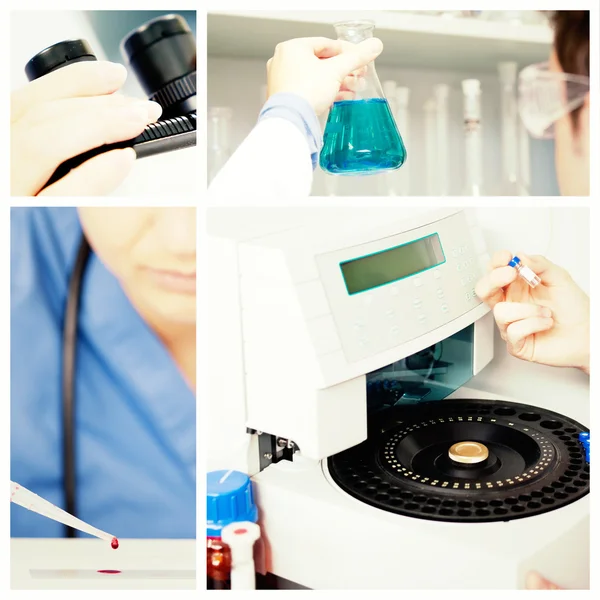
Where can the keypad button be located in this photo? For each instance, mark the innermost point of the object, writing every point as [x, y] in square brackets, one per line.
[390, 314]
[421, 318]
[440, 293]
[445, 308]
[437, 273]
[418, 282]
[417, 303]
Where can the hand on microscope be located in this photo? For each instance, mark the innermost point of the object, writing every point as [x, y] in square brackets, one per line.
[549, 323]
[66, 113]
[320, 70]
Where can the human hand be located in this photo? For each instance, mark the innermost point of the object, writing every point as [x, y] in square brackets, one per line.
[534, 581]
[66, 113]
[319, 69]
[548, 324]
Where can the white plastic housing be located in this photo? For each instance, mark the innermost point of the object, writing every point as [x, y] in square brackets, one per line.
[290, 347]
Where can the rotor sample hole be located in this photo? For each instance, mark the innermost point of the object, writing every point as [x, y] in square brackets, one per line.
[505, 412]
[529, 416]
[517, 509]
[463, 513]
[551, 424]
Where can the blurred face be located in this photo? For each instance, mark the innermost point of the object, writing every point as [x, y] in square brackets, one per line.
[152, 252]
[572, 147]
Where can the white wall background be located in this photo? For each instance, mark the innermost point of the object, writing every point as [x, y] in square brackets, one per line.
[237, 83]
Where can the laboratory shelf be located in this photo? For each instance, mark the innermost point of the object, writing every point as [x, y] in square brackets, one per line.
[410, 40]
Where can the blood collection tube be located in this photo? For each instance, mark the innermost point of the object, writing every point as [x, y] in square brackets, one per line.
[524, 272]
[229, 499]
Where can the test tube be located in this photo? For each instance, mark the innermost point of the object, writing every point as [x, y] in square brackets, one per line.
[219, 130]
[430, 148]
[402, 120]
[440, 93]
[241, 537]
[525, 273]
[473, 142]
[507, 72]
[524, 161]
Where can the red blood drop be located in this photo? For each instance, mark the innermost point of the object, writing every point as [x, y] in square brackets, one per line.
[240, 531]
[109, 571]
[114, 543]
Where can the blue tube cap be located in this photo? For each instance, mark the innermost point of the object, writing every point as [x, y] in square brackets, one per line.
[514, 262]
[584, 438]
[229, 499]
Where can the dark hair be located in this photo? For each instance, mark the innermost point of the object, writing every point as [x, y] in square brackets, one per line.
[572, 40]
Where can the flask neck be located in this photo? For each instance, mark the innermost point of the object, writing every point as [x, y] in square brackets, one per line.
[354, 31]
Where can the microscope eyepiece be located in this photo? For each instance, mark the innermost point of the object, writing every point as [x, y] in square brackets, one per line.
[57, 56]
[162, 53]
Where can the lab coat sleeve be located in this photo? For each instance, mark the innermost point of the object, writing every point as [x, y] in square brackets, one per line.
[278, 157]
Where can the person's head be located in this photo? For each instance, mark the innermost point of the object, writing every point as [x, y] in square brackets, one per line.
[570, 56]
[152, 252]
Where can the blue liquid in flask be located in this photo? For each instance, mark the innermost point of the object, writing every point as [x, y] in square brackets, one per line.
[361, 138]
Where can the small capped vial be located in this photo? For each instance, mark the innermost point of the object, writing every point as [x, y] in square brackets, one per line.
[524, 272]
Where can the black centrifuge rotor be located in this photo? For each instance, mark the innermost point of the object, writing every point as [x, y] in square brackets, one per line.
[534, 461]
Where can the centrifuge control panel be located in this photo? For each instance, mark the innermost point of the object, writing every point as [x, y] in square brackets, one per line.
[389, 291]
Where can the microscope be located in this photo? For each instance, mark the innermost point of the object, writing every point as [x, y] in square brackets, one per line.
[341, 346]
[162, 54]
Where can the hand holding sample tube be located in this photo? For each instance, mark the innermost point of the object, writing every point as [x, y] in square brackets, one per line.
[548, 322]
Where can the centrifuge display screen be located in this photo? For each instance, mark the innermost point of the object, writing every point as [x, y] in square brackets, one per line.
[377, 269]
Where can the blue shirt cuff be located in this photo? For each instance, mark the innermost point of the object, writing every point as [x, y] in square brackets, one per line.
[298, 111]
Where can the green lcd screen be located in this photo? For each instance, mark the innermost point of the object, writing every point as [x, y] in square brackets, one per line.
[374, 270]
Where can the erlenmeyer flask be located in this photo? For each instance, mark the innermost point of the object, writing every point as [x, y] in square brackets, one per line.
[361, 136]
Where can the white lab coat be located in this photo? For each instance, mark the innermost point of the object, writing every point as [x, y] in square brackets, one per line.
[272, 162]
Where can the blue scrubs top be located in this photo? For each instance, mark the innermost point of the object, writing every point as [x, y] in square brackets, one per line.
[135, 414]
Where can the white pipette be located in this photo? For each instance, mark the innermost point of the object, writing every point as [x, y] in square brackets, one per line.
[27, 499]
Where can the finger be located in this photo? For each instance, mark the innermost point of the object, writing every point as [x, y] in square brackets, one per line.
[490, 288]
[506, 313]
[500, 259]
[69, 106]
[355, 57]
[322, 47]
[353, 83]
[98, 176]
[518, 332]
[91, 78]
[548, 272]
[53, 141]
[534, 581]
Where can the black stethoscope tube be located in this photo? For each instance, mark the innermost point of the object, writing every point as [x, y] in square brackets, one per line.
[69, 353]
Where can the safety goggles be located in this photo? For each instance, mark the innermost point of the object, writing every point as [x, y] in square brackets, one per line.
[545, 96]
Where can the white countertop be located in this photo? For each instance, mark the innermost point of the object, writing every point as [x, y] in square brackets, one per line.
[48, 563]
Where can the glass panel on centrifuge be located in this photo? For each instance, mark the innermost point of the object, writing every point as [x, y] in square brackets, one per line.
[431, 374]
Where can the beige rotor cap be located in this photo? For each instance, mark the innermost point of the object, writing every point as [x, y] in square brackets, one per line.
[469, 453]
